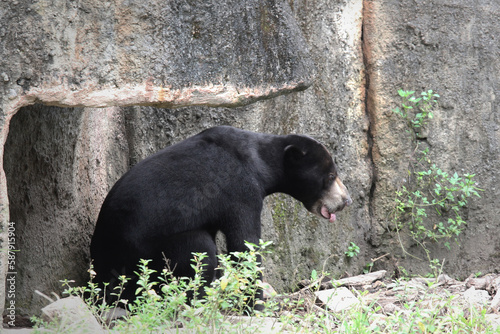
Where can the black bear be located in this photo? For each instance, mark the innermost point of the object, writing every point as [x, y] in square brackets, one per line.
[172, 203]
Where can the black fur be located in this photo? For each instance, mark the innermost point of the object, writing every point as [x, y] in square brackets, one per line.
[173, 203]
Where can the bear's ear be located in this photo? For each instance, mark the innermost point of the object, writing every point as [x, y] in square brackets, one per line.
[293, 154]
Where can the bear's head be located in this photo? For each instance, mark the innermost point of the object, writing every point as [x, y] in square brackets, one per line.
[311, 177]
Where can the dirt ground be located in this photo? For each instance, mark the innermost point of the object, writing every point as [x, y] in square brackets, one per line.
[473, 297]
[384, 297]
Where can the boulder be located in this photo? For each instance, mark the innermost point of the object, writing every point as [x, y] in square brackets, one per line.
[337, 300]
[72, 315]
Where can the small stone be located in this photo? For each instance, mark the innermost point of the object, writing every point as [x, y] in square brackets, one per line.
[12, 94]
[337, 300]
[476, 297]
[257, 325]
[5, 77]
[72, 311]
[390, 308]
[268, 290]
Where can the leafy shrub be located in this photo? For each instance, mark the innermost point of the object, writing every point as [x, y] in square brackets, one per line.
[431, 203]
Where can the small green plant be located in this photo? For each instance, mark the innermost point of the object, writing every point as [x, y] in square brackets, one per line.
[352, 250]
[161, 311]
[236, 291]
[436, 267]
[368, 267]
[403, 273]
[431, 202]
[315, 280]
[102, 309]
[416, 111]
[429, 311]
[444, 194]
[170, 302]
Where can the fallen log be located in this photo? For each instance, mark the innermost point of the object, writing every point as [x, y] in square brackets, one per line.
[359, 280]
[354, 281]
[481, 283]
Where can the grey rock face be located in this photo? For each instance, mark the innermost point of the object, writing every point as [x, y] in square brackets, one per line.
[140, 60]
[168, 53]
[450, 47]
[115, 53]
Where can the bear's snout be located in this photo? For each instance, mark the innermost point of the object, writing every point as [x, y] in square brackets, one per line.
[335, 199]
[339, 189]
[347, 199]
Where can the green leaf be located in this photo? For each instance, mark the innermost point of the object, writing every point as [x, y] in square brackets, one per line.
[314, 275]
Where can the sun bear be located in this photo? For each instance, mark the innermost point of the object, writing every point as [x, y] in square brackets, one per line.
[174, 202]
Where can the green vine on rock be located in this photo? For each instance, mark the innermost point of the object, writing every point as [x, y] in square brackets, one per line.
[431, 203]
[416, 111]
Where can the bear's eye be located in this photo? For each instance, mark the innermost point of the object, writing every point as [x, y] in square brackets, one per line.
[331, 178]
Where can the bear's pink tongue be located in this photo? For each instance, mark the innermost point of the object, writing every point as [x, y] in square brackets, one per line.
[325, 213]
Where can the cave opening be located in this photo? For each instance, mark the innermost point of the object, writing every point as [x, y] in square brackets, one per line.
[49, 183]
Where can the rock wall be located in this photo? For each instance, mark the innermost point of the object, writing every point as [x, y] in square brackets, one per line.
[139, 61]
[174, 53]
[452, 48]
[91, 53]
